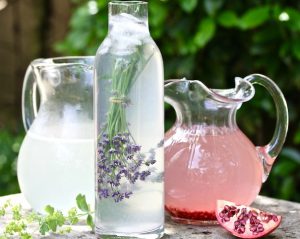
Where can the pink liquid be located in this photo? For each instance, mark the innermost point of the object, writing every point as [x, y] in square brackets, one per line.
[206, 164]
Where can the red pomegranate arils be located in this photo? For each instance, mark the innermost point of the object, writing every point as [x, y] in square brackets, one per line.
[246, 222]
[192, 215]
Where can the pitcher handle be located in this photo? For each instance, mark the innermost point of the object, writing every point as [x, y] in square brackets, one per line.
[269, 152]
[29, 98]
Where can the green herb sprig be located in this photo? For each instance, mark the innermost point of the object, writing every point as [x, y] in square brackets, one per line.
[120, 161]
[53, 221]
[123, 77]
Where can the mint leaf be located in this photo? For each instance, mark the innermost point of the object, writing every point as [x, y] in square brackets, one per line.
[72, 216]
[2, 213]
[26, 236]
[90, 221]
[81, 203]
[52, 223]
[60, 218]
[48, 209]
[16, 212]
[44, 228]
[74, 220]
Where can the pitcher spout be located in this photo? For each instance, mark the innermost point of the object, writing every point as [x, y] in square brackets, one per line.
[194, 90]
[195, 103]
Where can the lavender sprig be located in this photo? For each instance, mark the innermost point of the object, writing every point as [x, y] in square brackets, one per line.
[120, 161]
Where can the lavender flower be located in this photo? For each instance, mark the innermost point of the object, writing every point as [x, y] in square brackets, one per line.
[127, 194]
[120, 162]
[144, 174]
[160, 144]
[104, 193]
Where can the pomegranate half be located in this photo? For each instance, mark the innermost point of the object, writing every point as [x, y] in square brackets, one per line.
[245, 222]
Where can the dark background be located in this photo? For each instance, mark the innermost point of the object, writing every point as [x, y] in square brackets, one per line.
[210, 40]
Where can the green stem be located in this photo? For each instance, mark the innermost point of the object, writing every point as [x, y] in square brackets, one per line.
[124, 76]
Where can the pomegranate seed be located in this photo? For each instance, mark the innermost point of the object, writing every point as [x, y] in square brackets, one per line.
[241, 230]
[275, 218]
[192, 215]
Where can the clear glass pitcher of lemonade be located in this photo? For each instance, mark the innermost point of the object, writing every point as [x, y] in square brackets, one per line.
[56, 158]
[207, 156]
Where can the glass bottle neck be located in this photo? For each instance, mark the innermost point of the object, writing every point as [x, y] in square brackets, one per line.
[129, 14]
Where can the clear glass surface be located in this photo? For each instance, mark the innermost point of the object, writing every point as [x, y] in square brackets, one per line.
[213, 157]
[129, 118]
[56, 160]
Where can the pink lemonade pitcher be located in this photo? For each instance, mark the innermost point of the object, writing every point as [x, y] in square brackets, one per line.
[207, 156]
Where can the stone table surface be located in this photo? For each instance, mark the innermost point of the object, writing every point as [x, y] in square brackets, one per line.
[289, 228]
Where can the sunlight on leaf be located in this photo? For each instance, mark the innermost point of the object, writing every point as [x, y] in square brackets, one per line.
[205, 33]
[255, 17]
[188, 5]
[228, 19]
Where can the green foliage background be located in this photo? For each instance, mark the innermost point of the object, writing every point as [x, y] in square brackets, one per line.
[214, 41]
[9, 147]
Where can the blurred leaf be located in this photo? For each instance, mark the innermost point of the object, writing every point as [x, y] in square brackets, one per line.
[159, 11]
[296, 49]
[287, 188]
[81, 203]
[294, 18]
[228, 19]
[212, 6]
[44, 228]
[102, 3]
[81, 12]
[205, 32]
[297, 137]
[284, 49]
[9, 149]
[185, 66]
[292, 154]
[90, 221]
[49, 210]
[267, 105]
[284, 168]
[188, 5]
[254, 17]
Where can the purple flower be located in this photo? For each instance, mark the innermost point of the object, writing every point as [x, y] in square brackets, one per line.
[151, 161]
[117, 196]
[127, 194]
[139, 163]
[129, 157]
[119, 160]
[112, 151]
[117, 163]
[104, 193]
[123, 171]
[129, 149]
[136, 148]
[114, 182]
[160, 144]
[144, 174]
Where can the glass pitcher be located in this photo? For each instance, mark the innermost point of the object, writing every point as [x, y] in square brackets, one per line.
[56, 157]
[207, 156]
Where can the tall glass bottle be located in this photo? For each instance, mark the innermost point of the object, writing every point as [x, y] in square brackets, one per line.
[129, 118]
